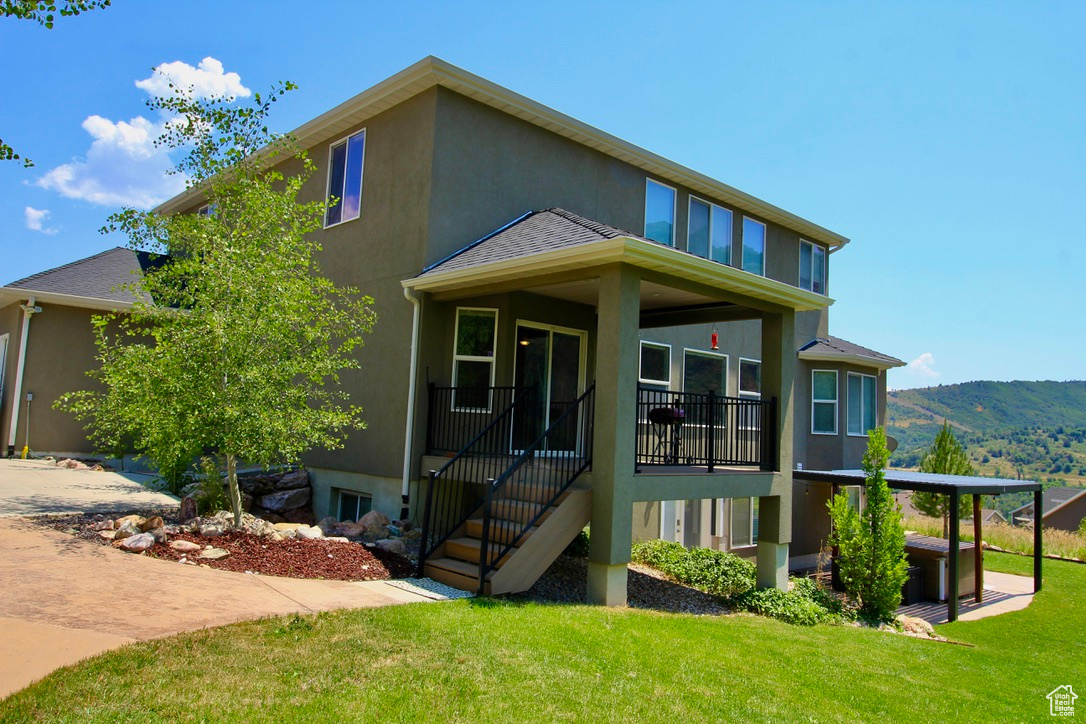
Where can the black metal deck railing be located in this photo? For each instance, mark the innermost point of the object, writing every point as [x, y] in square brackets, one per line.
[458, 414]
[683, 428]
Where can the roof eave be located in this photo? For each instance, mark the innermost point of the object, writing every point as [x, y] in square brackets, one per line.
[856, 359]
[13, 294]
[637, 252]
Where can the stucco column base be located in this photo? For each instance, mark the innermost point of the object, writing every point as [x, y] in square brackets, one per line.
[772, 565]
[606, 584]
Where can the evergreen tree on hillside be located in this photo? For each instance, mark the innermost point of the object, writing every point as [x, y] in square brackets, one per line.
[947, 456]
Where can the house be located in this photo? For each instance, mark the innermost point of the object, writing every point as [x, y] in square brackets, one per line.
[1064, 509]
[572, 329]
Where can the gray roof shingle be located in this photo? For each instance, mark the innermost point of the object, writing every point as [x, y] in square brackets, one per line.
[534, 233]
[837, 347]
[99, 277]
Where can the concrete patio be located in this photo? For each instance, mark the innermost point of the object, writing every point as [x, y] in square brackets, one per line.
[37, 487]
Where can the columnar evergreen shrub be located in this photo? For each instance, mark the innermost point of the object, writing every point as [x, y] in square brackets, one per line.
[871, 544]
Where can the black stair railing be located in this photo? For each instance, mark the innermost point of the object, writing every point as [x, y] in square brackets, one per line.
[685, 428]
[456, 415]
[517, 500]
[457, 490]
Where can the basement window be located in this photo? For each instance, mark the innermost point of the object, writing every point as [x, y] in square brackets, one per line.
[353, 506]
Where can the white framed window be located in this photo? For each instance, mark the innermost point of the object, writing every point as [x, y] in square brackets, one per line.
[659, 212]
[352, 505]
[654, 369]
[744, 522]
[705, 372]
[854, 498]
[750, 379]
[345, 161]
[205, 210]
[473, 358]
[812, 267]
[823, 402]
[709, 231]
[861, 404]
[753, 246]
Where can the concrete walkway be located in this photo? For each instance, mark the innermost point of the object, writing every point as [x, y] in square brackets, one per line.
[63, 599]
[1003, 593]
[34, 487]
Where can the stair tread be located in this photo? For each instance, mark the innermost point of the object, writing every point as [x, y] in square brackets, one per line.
[457, 566]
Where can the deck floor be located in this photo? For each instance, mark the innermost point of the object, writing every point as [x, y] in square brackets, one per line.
[1003, 593]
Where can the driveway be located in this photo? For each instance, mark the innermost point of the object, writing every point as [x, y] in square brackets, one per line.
[33, 487]
[63, 599]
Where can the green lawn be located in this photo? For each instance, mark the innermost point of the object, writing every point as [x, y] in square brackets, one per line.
[495, 661]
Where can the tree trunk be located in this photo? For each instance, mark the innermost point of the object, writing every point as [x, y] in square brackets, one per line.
[232, 483]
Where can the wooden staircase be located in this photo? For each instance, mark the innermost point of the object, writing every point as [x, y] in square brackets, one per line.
[456, 563]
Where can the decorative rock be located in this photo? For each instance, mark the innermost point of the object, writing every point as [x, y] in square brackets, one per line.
[374, 517]
[188, 509]
[185, 546]
[107, 534]
[306, 532]
[159, 534]
[286, 526]
[125, 529]
[285, 500]
[104, 525]
[150, 524]
[351, 530]
[214, 554]
[136, 519]
[412, 534]
[71, 464]
[916, 626]
[138, 543]
[299, 515]
[337, 539]
[328, 525]
[394, 546]
[246, 502]
[211, 529]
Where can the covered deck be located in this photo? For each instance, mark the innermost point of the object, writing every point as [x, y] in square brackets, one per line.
[954, 486]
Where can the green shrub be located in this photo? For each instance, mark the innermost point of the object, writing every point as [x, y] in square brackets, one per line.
[1081, 528]
[721, 574]
[806, 604]
[578, 547]
[211, 495]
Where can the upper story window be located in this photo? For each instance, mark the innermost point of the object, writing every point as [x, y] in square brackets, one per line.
[824, 402]
[812, 267]
[655, 368]
[861, 404]
[753, 246]
[345, 179]
[205, 210]
[709, 233]
[473, 358]
[659, 212]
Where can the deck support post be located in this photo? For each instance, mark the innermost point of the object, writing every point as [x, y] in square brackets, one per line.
[952, 584]
[1038, 538]
[978, 552]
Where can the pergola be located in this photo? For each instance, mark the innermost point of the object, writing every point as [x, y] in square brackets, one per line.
[955, 486]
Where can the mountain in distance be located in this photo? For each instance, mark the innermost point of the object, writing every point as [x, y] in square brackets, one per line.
[1020, 430]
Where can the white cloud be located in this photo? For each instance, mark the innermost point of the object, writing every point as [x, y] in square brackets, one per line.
[923, 366]
[35, 220]
[205, 81]
[123, 167]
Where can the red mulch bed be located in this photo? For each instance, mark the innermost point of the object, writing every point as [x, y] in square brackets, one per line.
[329, 560]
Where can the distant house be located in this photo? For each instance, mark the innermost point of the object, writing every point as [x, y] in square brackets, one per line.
[50, 312]
[636, 344]
[1064, 509]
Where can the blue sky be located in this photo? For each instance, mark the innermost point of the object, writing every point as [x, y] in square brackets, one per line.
[947, 140]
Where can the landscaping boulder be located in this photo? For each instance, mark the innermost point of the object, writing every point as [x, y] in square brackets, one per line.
[299, 515]
[285, 500]
[150, 524]
[70, 464]
[374, 525]
[350, 529]
[136, 520]
[185, 546]
[126, 529]
[214, 554]
[915, 626]
[103, 525]
[188, 509]
[107, 534]
[306, 532]
[137, 543]
[329, 525]
[211, 529]
[394, 546]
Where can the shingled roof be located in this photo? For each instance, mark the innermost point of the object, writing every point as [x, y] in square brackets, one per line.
[830, 348]
[533, 233]
[101, 276]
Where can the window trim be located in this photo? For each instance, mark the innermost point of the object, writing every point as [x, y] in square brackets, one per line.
[799, 272]
[641, 378]
[340, 492]
[706, 353]
[874, 402]
[765, 245]
[835, 402]
[473, 358]
[328, 176]
[712, 206]
[674, 208]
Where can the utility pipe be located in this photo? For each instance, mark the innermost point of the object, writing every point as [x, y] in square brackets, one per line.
[409, 432]
[13, 426]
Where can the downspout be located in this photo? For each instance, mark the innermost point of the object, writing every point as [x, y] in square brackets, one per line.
[409, 432]
[29, 310]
